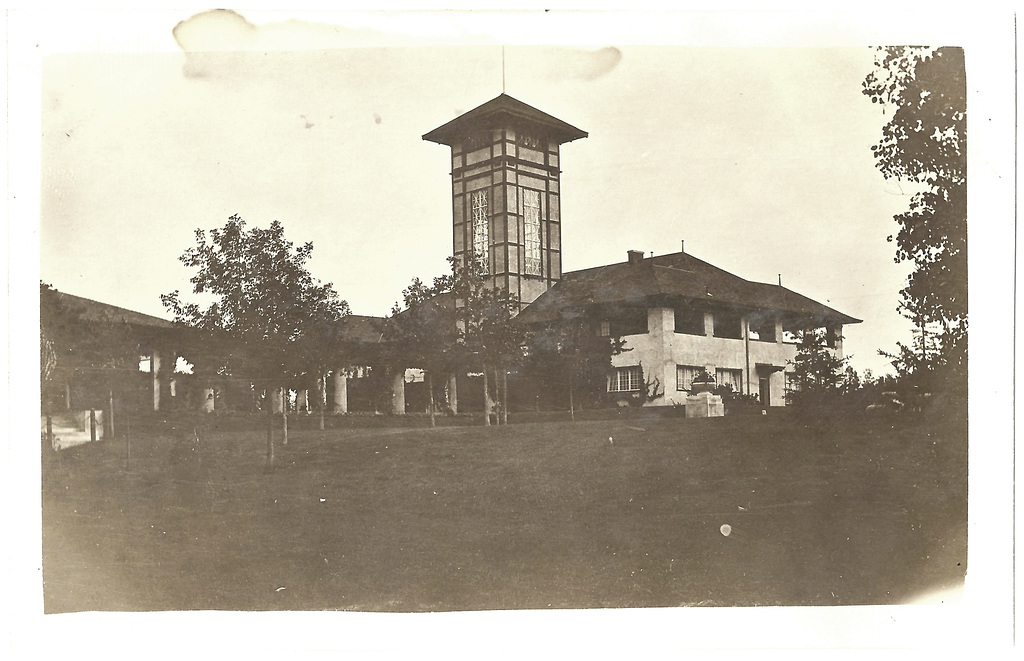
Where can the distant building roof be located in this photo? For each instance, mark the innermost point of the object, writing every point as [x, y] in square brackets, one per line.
[498, 111]
[361, 329]
[91, 310]
[674, 278]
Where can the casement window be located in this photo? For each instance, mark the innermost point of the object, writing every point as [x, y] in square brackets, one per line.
[731, 378]
[689, 321]
[625, 379]
[531, 222]
[604, 329]
[685, 375]
[481, 237]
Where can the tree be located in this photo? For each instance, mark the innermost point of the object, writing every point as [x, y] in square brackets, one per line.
[925, 142]
[422, 332]
[101, 352]
[571, 355]
[486, 337]
[266, 305]
[818, 377]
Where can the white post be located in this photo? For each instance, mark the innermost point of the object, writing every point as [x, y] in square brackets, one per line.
[340, 391]
[398, 392]
[154, 367]
[453, 393]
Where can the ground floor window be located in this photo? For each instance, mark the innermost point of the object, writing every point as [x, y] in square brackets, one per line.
[625, 379]
[685, 374]
[731, 378]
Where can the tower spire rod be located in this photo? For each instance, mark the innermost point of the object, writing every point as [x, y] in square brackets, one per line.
[503, 69]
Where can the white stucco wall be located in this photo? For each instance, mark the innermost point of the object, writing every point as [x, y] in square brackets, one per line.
[661, 349]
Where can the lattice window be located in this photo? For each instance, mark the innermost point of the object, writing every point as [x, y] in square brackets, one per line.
[531, 219]
[481, 239]
[625, 379]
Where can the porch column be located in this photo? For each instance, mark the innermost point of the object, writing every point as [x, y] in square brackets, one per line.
[302, 401]
[398, 392]
[208, 400]
[154, 368]
[340, 391]
[277, 400]
[453, 393]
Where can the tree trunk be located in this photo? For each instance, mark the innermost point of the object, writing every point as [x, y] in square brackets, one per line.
[284, 426]
[430, 389]
[322, 385]
[487, 400]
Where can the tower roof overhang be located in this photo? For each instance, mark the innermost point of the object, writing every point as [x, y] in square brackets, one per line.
[502, 111]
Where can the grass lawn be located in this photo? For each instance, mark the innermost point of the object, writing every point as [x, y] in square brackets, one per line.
[625, 511]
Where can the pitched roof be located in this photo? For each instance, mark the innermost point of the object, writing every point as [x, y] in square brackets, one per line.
[500, 110]
[361, 329]
[677, 277]
[91, 310]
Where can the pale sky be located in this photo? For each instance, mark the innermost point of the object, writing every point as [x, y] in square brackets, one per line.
[758, 157]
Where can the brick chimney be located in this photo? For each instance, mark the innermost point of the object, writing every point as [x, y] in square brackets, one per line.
[635, 256]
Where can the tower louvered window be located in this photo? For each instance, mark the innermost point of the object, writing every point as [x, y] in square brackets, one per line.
[531, 219]
[480, 230]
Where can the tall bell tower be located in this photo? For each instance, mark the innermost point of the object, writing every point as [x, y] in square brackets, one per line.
[505, 192]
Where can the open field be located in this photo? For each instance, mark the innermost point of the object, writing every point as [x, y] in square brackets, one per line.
[625, 511]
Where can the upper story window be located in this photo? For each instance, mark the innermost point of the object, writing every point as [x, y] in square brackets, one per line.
[529, 140]
[481, 238]
[729, 325]
[531, 221]
[689, 321]
[627, 320]
[473, 142]
[762, 329]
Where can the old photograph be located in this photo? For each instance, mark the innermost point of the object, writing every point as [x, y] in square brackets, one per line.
[514, 314]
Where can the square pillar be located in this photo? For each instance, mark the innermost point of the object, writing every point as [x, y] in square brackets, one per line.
[398, 392]
[340, 391]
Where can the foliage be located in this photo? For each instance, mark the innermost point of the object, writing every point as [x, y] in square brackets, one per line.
[819, 378]
[925, 142]
[421, 332]
[461, 321]
[104, 352]
[268, 314]
[569, 355]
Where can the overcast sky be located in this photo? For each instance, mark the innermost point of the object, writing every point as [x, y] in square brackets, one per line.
[758, 157]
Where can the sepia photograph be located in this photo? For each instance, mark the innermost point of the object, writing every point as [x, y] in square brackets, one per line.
[419, 322]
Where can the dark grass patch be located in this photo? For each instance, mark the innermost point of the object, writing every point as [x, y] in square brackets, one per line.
[532, 515]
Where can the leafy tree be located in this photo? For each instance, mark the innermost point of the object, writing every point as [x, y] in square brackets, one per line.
[422, 332]
[925, 142]
[487, 340]
[819, 378]
[100, 352]
[570, 354]
[266, 309]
